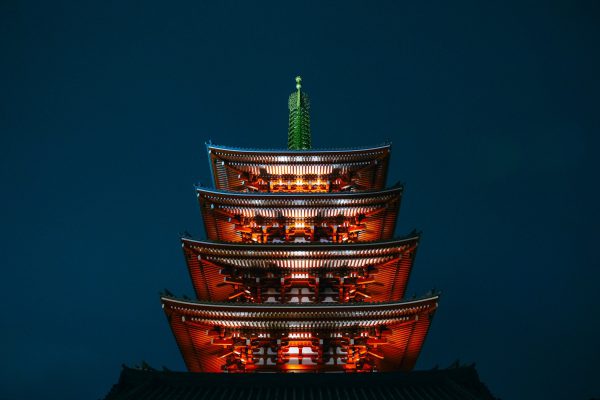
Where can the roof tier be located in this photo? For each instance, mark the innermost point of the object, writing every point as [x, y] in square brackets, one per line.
[459, 382]
[263, 217]
[386, 336]
[242, 169]
[276, 272]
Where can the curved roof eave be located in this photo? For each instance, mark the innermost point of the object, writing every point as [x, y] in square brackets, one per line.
[398, 188]
[293, 307]
[306, 246]
[298, 152]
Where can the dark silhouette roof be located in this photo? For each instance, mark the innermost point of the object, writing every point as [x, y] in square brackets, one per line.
[452, 383]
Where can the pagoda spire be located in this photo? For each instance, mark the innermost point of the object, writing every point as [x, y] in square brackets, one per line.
[299, 124]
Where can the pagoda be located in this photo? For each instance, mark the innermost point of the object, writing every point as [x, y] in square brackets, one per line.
[300, 270]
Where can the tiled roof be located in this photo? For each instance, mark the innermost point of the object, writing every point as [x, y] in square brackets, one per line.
[389, 263]
[368, 166]
[220, 210]
[453, 383]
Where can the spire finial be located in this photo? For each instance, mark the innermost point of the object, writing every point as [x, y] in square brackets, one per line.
[299, 127]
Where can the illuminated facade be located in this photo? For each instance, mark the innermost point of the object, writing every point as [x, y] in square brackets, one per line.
[300, 270]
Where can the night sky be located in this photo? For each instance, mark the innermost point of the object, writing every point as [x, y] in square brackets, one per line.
[492, 109]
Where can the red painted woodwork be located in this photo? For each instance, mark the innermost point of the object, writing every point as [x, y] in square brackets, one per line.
[344, 337]
[300, 271]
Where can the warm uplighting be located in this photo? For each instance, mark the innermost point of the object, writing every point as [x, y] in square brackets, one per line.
[303, 335]
[298, 184]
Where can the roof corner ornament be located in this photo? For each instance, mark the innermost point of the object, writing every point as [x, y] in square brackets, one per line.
[299, 137]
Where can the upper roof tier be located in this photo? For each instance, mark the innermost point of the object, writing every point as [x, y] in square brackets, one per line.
[299, 171]
[322, 217]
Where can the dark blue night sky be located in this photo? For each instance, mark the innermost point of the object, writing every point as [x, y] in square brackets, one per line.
[493, 111]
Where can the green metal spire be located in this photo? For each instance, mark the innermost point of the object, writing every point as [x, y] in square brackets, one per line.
[299, 127]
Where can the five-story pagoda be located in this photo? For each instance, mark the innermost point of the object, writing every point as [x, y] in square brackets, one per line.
[300, 271]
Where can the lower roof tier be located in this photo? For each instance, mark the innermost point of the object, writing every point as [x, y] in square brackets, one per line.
[343, 337]
[330, 217]
[375, 272]
[456, 382]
